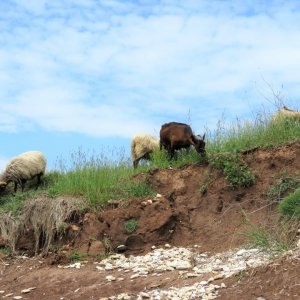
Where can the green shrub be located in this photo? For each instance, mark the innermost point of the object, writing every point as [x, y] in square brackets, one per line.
[236, 172]
[281, 187]
[131, 225]
[77, 257]
[290, 205]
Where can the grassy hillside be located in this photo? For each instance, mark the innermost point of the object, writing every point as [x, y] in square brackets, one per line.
[98, 179]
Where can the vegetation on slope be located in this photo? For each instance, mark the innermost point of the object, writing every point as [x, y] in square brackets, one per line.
[98, 179]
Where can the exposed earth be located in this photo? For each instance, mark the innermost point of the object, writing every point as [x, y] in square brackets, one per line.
[194, 208]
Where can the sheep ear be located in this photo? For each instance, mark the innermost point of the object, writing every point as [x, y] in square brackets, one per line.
[203, 138]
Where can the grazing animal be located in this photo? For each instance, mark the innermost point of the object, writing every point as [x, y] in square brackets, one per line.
[175, 136]
[22, 168]
[286, 113]
[142, 145]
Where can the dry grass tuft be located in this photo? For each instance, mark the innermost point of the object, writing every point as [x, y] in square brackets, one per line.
[45, 216]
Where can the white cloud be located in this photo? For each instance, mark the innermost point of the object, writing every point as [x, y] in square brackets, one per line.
[113, 67]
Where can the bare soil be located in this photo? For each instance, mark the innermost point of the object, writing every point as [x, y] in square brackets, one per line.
[186, 214]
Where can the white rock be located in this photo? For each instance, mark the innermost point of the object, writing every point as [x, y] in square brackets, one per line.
[219, 276]
[17, 297]
[241, 252]
[184, 265]
[2, 292]
[110, 278]
[144, 295]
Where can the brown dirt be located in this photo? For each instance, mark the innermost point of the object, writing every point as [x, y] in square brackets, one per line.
[215, 220]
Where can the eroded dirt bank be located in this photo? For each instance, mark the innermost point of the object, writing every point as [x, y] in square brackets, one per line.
[183, 215]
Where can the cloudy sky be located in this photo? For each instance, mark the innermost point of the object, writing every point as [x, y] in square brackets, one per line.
[91, 73]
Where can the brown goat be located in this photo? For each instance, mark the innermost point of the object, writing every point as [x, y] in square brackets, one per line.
[175, 136]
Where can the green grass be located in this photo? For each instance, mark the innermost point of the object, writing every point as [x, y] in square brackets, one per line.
[262, 238]
[98, 178]
[262, 132]
[6, 251]
[160, 159]
[276, 238]
[290, 206]
[14, 202]
[77, 257]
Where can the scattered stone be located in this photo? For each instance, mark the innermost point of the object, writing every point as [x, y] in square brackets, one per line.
[75, 227]
[2, 292]
[218, 276]
[260, 298]
[161, 260]
[77, 290]
[144, 295]
[110, 278]
[149, 201]
[298, 243]
[121, 248]
[25, 291]
[241, 252]
[17, 297]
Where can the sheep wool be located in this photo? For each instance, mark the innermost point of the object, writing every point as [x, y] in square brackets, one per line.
[141, 147]
[286, 113]
[24, 167]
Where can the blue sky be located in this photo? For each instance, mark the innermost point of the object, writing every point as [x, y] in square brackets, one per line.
[91, 73]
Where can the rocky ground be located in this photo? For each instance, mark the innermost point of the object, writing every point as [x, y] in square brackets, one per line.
[188, 245]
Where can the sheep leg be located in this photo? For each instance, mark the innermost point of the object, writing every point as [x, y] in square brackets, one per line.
[38, 180]
[16, 186]
[135, 163]
[23, 181]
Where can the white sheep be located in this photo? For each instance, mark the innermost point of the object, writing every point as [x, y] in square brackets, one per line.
[22, 168]
[142, 145]
[286, 113]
